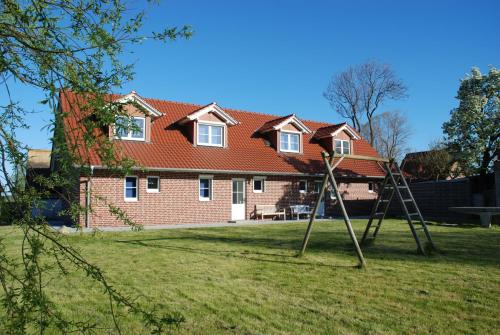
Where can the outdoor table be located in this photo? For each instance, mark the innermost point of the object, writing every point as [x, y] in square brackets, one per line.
[298, 210]
[485, 213]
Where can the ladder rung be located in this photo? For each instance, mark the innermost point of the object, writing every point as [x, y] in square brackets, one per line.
[378, 214]
[384, 200]
[396, 174]
[407, 200]
[412, 214]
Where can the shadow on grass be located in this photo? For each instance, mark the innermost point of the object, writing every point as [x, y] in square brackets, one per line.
[245, 254]
[478, 247]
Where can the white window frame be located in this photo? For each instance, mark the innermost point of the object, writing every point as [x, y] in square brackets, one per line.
[136, 189]
[129, 135]
[263, 184]
[210, 187]
[289, 135]
[372, 187]
[305, 183]
[210, 125]
[152, 190]
[342, 146]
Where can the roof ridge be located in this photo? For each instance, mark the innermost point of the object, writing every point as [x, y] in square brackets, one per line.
[237, 110]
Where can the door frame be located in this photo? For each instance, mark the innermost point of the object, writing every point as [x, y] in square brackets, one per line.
[243, 180]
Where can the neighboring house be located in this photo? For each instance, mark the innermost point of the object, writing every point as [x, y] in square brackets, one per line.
[428, 165]
[208, 164]
[38, 165]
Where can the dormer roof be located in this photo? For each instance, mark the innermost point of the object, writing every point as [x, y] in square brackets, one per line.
[279, 123]
[135, 98]
[333, 130]
[210, 108]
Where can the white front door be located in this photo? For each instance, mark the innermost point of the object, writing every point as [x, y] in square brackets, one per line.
[238, 200]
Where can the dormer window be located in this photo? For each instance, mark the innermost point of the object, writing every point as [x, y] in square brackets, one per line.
[285, 133]
[342, 147]
[130, 128]
[134, 121]
[289, 142]
[211, 135]
[208, 126]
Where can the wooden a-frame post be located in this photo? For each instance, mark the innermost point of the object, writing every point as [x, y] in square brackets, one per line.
[329, 176]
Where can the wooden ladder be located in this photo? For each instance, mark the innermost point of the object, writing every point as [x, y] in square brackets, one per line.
[395, 184]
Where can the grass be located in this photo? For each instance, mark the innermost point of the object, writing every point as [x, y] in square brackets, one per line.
[248, 280]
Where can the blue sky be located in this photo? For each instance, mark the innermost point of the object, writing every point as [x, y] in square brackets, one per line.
[277, 56]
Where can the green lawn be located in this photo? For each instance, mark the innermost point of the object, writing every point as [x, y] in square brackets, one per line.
[247, 280]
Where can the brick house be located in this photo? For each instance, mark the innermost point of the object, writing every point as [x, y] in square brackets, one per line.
[201, 164]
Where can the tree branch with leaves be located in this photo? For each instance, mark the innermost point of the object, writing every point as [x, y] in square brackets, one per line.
[57, 46]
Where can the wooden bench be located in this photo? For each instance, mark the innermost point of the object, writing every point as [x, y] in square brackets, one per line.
[485, 213]
[268, 210]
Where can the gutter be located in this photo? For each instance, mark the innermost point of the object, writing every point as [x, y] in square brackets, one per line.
[241, 172]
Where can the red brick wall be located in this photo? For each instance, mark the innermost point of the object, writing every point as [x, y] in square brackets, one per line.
[178, 201]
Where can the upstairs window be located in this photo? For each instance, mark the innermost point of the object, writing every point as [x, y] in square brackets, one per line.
[132, 128]
[210, 135]
[342, 147]
[289, 142]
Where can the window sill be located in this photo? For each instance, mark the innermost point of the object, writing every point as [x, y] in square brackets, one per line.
[131, 139]
[131, 200]
[256, 191]
[204, 199]
[210, 145]
[152, 191]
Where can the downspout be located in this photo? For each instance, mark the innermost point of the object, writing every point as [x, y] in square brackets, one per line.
[88, 185]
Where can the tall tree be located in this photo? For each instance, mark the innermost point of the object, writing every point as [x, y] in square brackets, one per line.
[473, 131]
[359, 92]
[344, 95]
[53, 46]
[391, 132]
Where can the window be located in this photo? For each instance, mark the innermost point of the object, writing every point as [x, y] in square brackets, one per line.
[258, 184]
[317, 186]
[289, 142]
[342, 147]
[205, 188]
[331, 191]
[131, 188]
[371, 187]
[210, 135]
[130, 128]
[303, 186]
[153, 185]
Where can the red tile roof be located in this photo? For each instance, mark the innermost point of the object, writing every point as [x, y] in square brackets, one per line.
[274, 122]
[325, 131]
[247, 150]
